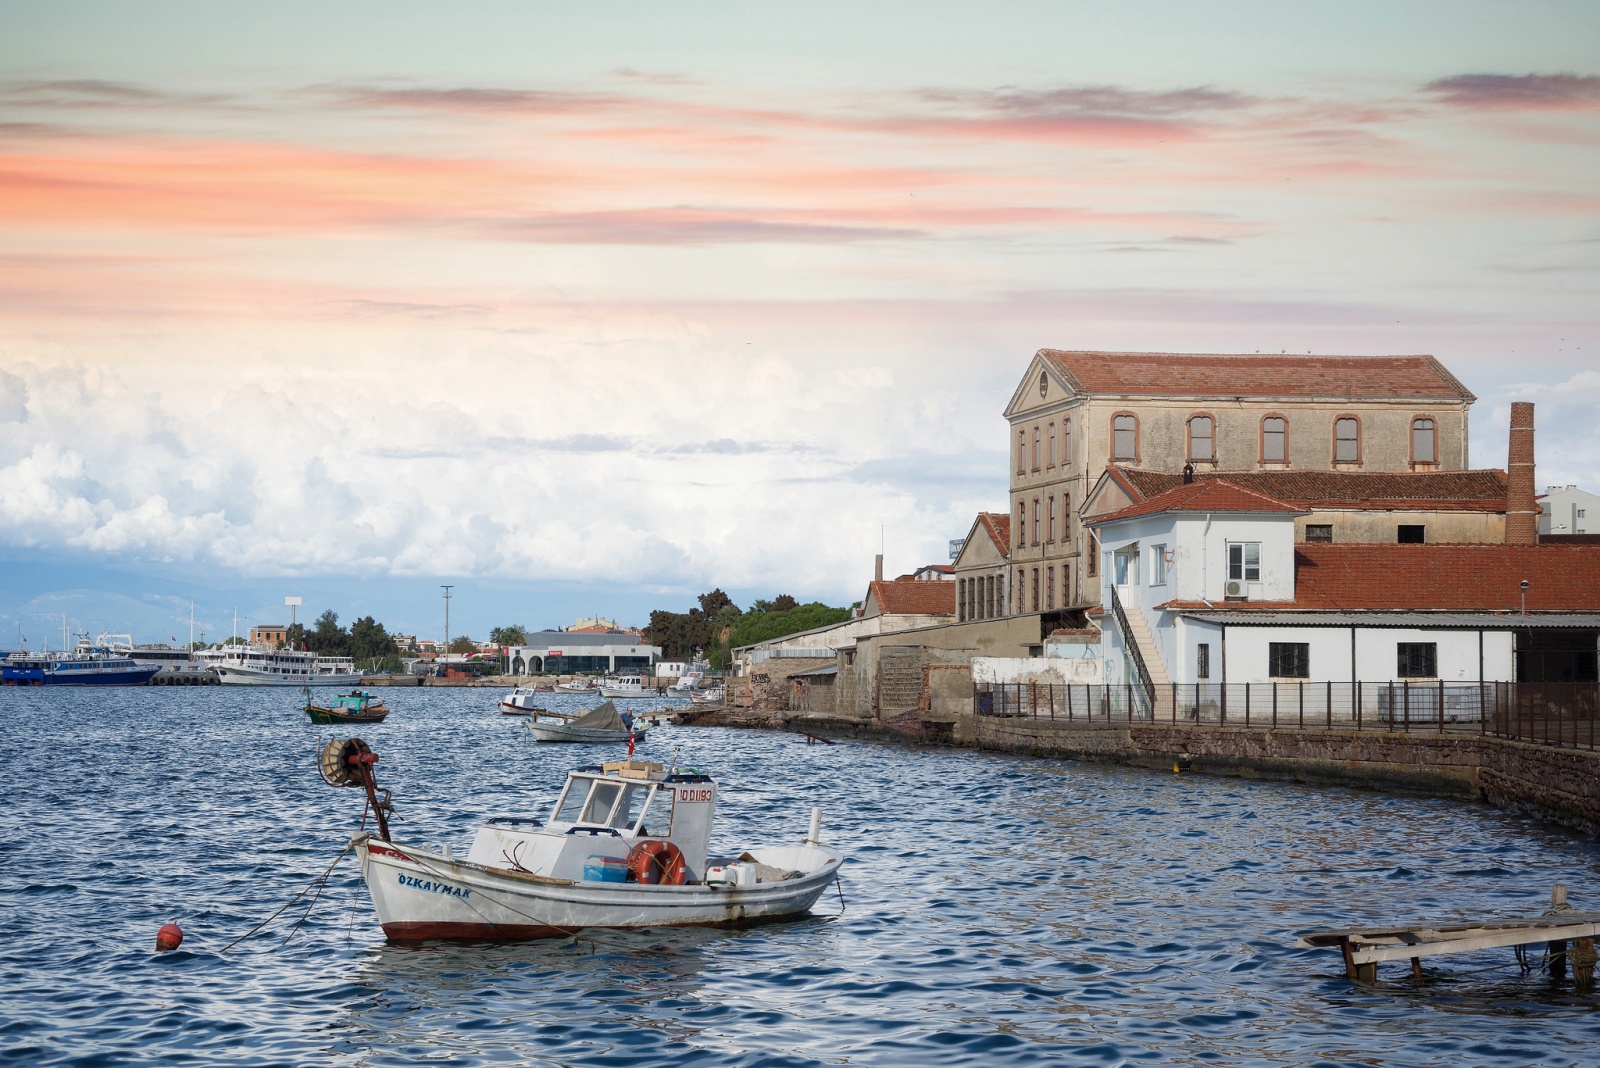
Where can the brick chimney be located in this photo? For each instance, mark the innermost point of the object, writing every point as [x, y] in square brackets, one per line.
[1522, 510]
[877, 568]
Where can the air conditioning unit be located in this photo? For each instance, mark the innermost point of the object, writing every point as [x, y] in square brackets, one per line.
[1237, 590]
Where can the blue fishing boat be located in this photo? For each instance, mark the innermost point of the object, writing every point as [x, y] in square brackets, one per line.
[82, 667]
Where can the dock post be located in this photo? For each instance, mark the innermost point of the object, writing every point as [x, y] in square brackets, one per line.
[1583, 957]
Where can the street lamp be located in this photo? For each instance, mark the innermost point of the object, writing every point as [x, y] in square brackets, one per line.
[447, 590]
[1524, 596]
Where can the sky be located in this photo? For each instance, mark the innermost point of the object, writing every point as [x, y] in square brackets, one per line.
[587, 309]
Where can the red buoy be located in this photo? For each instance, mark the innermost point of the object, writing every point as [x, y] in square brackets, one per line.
[169, 937]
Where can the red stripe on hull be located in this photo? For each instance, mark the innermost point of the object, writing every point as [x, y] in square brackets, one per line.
[471, 932]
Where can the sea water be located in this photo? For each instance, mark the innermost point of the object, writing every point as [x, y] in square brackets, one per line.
[993, 910]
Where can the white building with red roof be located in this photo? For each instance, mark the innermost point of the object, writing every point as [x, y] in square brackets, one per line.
[1206, 584]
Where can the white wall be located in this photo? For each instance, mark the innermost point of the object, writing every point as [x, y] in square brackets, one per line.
[1559, 512]
[1376, 659]
[1050, 670]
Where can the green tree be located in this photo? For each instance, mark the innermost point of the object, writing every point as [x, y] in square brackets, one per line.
[462, 644]
[766, 626]
[369, 640]
[295, 638]
[512, 635]
[327, 638]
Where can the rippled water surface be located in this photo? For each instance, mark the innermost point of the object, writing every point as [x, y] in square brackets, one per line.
[996, 910]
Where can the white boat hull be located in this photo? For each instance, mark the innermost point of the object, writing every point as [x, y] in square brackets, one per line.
[243, 676]
[420, 895]
[628, 694]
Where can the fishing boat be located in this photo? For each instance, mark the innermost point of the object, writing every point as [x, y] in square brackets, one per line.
[707, 697]
[598, 725]
[520, 702]
[576, 686]
[354, 707]
[626, 845]
[626, 687]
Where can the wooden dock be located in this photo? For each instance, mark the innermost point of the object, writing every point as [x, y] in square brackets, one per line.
[1365, 948]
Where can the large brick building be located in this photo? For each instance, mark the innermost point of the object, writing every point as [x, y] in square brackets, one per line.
[1077, 412]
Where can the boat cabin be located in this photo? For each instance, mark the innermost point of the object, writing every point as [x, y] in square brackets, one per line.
[604, 811]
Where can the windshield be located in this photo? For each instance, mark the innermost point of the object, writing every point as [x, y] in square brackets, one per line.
[657, 822]
[601, 798]
[571, 807]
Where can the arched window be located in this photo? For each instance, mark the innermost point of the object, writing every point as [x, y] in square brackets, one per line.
[1049, 589]
[1066, 441]
[1202, 439]
[1274, 440]
[1050, 448]
[1066, 585]
[1347, 439]
[1424, 449]
[1125, 437]
[1022, 524]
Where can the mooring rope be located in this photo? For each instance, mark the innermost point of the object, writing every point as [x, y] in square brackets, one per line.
[314, 884]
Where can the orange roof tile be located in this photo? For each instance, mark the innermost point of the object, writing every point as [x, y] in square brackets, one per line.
[1476, 491]
[1218, 375]
[914, 598]
[999, 529]
[1391, 577]
[1211, 495]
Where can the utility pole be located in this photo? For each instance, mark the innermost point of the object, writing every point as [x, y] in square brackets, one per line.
[447, 590]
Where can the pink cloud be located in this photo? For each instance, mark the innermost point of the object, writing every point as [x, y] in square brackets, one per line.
[1530, 92]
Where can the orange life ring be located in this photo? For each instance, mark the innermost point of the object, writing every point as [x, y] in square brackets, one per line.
[656, 862]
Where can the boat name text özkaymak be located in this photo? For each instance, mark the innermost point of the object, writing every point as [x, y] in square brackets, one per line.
[436, 888]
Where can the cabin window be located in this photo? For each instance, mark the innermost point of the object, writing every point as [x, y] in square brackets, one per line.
[1289, 660]
[1346, 440]
[633, 799]
[571, 808]
[1274, 439]
[657, 822]
[1422, 441]
[1417, 660]
[601, 798]
[1201, 438]
[1319, 532]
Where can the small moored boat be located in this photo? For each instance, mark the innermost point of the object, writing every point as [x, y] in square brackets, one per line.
[624, 846]
[603, 724]
[520, 702]
[355, 707]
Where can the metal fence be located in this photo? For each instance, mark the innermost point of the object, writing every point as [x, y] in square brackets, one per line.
[1550, 713]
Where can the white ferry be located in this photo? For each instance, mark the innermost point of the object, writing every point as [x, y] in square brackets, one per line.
[252, 665]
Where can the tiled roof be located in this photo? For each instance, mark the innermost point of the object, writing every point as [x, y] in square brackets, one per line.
[1440, 491]
[914, 598]
[999, 529]
[1437, 578]
[1210, 495]
[1211, 375]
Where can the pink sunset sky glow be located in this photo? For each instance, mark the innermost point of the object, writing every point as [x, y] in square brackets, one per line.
[606, 308]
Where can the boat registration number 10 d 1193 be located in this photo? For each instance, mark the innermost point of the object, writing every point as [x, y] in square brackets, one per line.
[687, 794]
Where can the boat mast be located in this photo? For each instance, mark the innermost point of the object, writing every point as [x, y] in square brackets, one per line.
[191, 628]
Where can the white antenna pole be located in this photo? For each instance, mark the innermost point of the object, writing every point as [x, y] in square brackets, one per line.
[65, 642]
[235, 625]
[191, 627]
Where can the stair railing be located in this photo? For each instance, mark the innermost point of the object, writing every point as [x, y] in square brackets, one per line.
[1132, 644]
